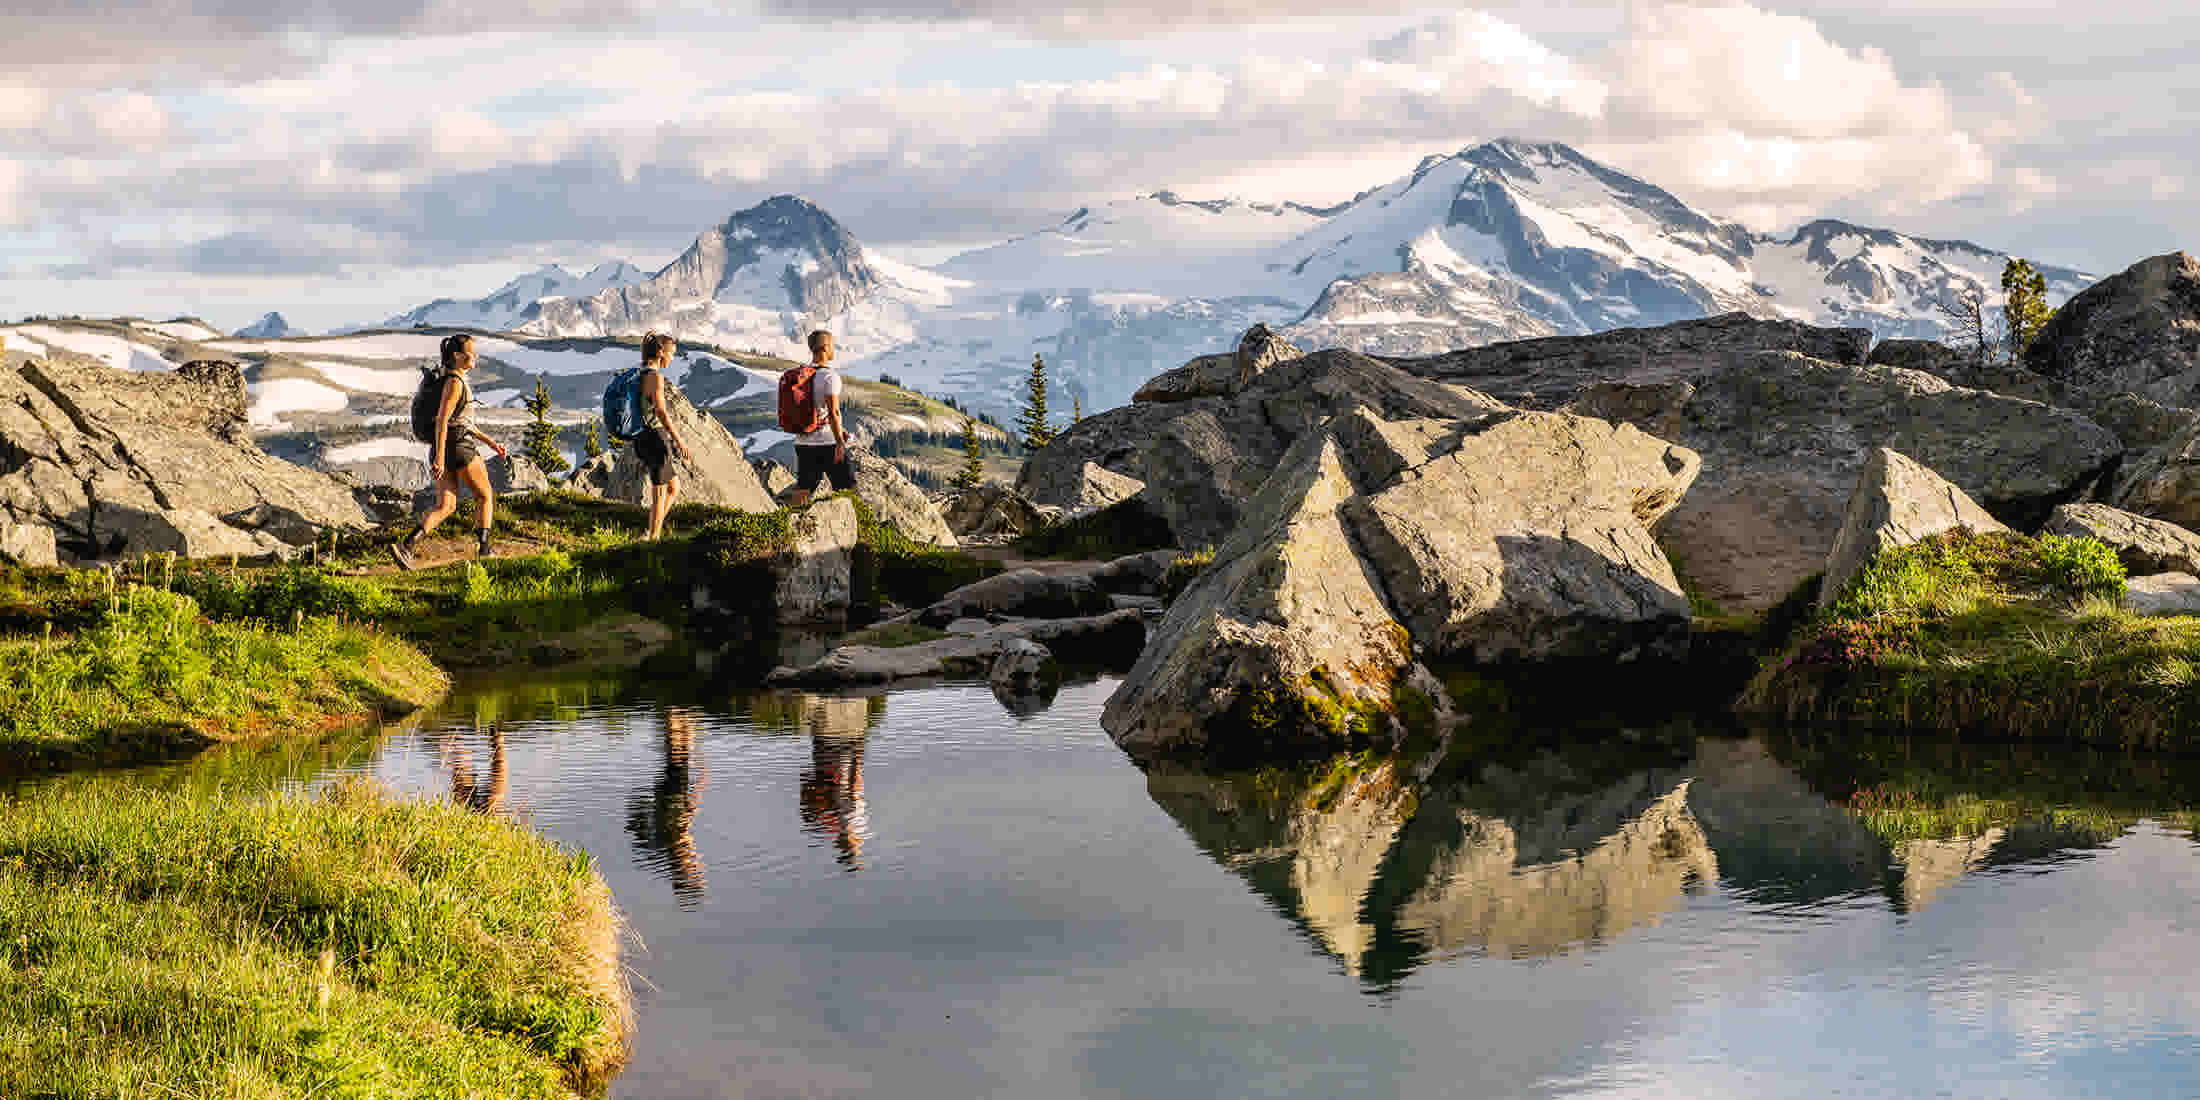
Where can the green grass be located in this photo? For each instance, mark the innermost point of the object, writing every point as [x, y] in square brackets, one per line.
[159, 944]
[152, 676]
[1183, 571]
[1995, 635]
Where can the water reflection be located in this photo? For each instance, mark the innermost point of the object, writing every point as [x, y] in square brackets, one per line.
[831, 790]
[662, 819]
[1388, 865]
[468, 788]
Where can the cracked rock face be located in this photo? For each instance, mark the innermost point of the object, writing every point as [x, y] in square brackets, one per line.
[1897, 502]
[2138, 331]
[121, 463]
[1380, 544]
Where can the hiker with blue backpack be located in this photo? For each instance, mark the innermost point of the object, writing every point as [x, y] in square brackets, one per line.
[443, 418]
[634, 410]
[809, 407]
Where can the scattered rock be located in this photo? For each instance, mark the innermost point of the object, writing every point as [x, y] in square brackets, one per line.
[2138, 331]
[2141, 423]
[1024, 593]
[1135, 574]
[1897, 502]
[1546, 373]
[1966, 368]
[1220, 375]
[1784, 438]
[990, 511]
[1023, 668]
[894, 500]
[29, 544]
[776, 479]
[2164, 594]
[2144, 545]
[1099, 639]
[2164, 481]
[815, 579]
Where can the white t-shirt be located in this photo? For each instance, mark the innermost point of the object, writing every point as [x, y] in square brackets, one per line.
[824, 384]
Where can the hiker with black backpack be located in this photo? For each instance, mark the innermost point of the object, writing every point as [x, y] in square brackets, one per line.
[809, 407]
[443, 418]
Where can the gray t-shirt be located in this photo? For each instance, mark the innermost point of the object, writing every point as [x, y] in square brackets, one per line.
[825, 384]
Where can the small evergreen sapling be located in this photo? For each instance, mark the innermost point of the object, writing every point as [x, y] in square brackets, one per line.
[1033, 420]
[542, 435]
[2024, 309]
[973, 467]
[592, 442]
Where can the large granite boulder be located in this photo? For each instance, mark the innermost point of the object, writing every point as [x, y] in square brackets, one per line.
[1023, 593]
[1202, 458]
[896, 500]
[1897, 502]
[1548, 372]
[1220, 375]
[718, 473]
[29, 544]
[2164, 481]
[1108, 639]
[1784, 438]
[1970, 369]
[2138, 331]
[1380, 544]
[118, 462]
[2144, 545]
[2163, 594]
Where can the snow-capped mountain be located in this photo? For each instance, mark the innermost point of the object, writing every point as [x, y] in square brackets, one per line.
[1501, 241]
[516, 302]
[269, 327]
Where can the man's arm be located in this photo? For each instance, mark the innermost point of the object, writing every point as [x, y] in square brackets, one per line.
[840, 434]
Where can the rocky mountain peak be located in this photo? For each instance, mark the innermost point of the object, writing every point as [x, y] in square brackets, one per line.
[269, 327]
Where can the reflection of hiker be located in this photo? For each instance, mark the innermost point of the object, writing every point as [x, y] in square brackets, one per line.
[832, 787]
[466, 788]
[443, 418]
[657, 431]
[662, 821]
[809, 406]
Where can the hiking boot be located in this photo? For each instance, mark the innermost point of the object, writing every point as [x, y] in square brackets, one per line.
[481, 545]
[402, 554]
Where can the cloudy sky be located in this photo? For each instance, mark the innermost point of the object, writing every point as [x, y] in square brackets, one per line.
[341, 160]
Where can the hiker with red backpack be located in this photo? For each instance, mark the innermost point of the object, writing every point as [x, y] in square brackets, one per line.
[809, 406]
[443, 418]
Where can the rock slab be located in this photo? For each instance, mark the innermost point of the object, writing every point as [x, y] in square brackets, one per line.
[2137, 331]
[1897, 502]
[814, 579]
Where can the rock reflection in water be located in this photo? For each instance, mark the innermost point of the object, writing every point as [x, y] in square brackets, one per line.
[468, 788]
[1560, 850]
[662, 820]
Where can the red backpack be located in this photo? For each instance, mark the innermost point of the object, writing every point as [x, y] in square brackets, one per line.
[798, 410]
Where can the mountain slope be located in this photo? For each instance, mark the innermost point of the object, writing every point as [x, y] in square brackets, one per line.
[515, 302]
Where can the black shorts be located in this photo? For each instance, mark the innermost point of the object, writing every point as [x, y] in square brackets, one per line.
[814, 464]
[656, 457]
[459, 451]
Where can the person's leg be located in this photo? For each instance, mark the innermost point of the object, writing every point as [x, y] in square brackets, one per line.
[809, 469]
[660, 504]
[842, 473]
[446, 502]
[475, 476]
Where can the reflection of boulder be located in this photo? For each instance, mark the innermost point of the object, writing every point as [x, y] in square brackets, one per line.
[1486, 895]
[1778, 840]
[1930, 866]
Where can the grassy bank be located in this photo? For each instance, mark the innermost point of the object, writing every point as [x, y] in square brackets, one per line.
[158, 944]
[1993, 635]
[151, 675]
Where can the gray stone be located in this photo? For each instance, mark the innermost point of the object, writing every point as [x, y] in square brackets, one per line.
[272, 519]
[1969, 369]
[717, 473]
[990, 511]
[395, 471]
[29, 544]
[1135, 574]
[1896, 502]
[2164, 481]
[1546, 373]
[1784, 439]
[1024, 667]
[185, 532]
[1025, 593]
[2164, 594]
[814, 579]
[893, 499]
[2142, 424]
[2144, 545]
[2137, 331]
[1220, 375]
[776, 479]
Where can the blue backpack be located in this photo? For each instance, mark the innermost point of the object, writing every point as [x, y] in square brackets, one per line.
[622, 404]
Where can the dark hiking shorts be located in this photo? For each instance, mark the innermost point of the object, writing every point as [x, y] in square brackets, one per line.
[656, 457]
[814, 464]
[459, 451]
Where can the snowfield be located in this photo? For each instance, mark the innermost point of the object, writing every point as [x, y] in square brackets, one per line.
[113, 350]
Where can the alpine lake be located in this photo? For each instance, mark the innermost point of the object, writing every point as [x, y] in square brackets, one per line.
[938, 893]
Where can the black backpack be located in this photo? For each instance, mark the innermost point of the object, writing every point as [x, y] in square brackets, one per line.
[427, 401]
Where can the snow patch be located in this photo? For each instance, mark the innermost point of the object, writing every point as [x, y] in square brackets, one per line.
[115, 351]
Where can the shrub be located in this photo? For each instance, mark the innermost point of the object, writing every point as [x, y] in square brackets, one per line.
[2078, 566]
[1183, 571]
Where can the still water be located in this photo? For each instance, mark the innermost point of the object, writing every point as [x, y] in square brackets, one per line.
[924, 895]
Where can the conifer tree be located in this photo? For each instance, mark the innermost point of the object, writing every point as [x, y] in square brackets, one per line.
[592, 442]
[2024, 309]
[973, 467]
[1076, 407]
[1033, 420]
[542, 435]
